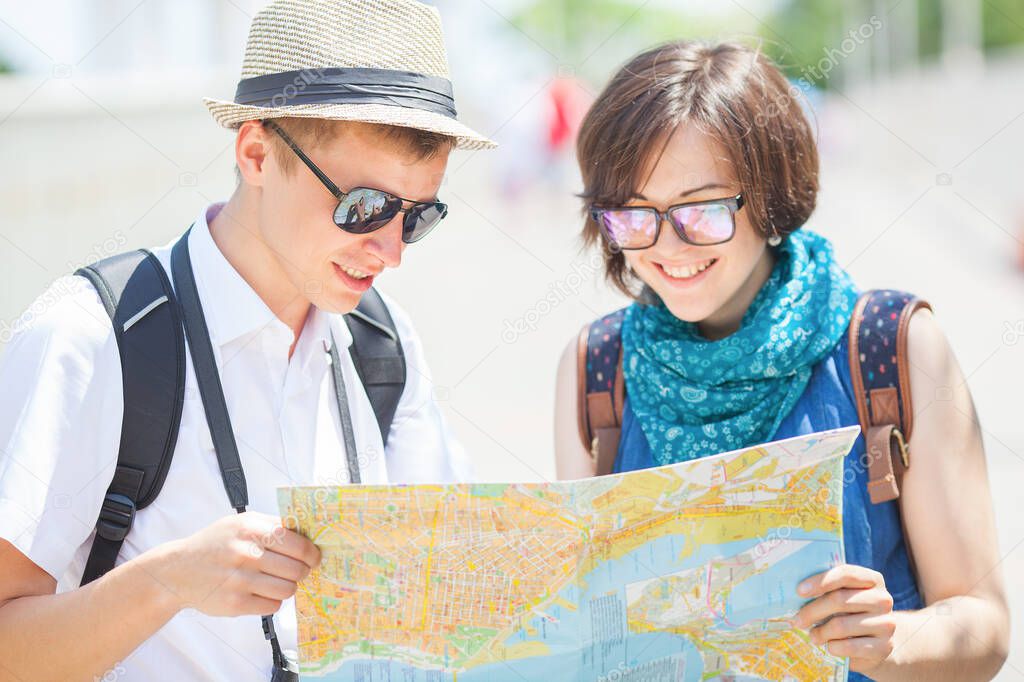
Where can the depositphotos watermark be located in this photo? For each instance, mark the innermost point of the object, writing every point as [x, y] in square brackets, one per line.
[61, 287]
[558, 292]
[115, 673]
[834, 56]
[667, 668]
[822, 69]
[853, 467]
[303, 80]
[115, 243]
[1013, 332]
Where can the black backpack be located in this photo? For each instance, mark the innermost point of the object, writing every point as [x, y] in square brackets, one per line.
[147, 319]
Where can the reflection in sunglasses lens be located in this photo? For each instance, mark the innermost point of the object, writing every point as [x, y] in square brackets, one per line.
[707, 224]
[365, 209]
[421, 220]
[629, 229]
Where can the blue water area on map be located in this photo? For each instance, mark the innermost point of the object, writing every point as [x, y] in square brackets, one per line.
[600, 623]
[773, 594]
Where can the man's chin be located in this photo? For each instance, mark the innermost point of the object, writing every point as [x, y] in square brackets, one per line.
[339, 302]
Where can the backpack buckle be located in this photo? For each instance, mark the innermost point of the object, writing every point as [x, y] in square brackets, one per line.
[116, 517]
[901, 442]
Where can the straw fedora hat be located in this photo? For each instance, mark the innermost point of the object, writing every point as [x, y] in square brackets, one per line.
[377, 61]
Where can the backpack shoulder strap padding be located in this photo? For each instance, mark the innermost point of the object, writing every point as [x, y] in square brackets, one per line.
[879, 370]
[880, 373]
[601, 389]
[146, 318]
[138, 297]
[378, 357]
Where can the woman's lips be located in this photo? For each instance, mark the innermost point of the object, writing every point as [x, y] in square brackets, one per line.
[354, 283]
[680, 277]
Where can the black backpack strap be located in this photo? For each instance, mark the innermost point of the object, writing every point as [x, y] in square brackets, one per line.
[880, 372]
[377, 355]
[344, 416]
[601, 391]
[204, 363]
[147, 325]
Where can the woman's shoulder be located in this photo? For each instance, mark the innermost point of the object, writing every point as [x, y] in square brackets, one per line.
[610, 323]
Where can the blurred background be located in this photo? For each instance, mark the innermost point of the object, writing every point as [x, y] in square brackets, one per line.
[105, 145]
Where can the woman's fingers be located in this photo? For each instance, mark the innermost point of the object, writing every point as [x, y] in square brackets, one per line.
[854, 610]
[852, 627]
[865, 653]
[843, 575]
[843, 601]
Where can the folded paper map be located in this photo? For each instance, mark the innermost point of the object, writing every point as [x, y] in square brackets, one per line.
[681, 572]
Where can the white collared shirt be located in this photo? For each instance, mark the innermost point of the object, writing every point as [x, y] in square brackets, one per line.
[60, 422]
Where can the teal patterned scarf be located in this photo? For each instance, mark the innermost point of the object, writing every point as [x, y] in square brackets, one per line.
[694, 397]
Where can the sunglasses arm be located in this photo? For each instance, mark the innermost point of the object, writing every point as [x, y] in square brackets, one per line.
[331, 187]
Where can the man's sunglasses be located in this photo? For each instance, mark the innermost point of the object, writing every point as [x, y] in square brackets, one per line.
[700, 223]
[364, 209]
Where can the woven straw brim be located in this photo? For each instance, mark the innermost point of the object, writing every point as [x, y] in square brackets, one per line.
[231, 115]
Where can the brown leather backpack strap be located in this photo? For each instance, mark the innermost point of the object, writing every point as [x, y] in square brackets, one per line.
[619, 395]
[880, 371]
[605, 446]
[888, 460]
[582, 415]
[601, 390]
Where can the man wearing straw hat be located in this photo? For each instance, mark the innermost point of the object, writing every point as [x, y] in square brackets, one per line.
[345, 119]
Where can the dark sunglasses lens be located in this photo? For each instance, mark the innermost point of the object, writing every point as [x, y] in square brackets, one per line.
[628, 228]
[706, 224]
[420, 220]
[365, 210]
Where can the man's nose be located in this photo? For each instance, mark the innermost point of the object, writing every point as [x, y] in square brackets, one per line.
[386, 243]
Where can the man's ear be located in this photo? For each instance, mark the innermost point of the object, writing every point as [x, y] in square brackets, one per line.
[252, 147]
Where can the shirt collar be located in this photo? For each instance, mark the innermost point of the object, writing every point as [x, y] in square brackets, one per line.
[232, 307]
[320, 325]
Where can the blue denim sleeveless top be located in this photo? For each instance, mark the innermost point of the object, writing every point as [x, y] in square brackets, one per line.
[872, 535]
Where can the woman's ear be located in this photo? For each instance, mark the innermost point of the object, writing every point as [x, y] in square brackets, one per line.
[251, 150]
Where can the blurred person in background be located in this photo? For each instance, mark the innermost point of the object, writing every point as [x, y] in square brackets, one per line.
[700, 171]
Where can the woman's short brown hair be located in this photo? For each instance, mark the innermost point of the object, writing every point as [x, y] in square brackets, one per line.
[734, 94]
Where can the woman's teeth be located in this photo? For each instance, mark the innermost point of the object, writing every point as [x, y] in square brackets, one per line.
[688, 271]
[351, 272]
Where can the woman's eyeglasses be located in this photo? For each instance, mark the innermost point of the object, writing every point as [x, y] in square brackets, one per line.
[364, 209]
[700, 223]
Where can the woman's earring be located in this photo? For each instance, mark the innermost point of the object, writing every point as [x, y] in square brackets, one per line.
[774, 240]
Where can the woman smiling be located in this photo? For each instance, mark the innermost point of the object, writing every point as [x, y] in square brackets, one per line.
[700, 171]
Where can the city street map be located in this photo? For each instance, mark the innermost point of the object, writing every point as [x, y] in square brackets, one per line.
[681, 572]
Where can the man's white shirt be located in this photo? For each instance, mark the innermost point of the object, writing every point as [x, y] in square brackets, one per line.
[60, 424]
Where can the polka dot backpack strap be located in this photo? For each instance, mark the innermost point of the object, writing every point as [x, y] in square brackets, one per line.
[601, 389]
[881, 383]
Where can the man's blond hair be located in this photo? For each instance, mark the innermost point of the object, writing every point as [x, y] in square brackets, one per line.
[311, 133]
